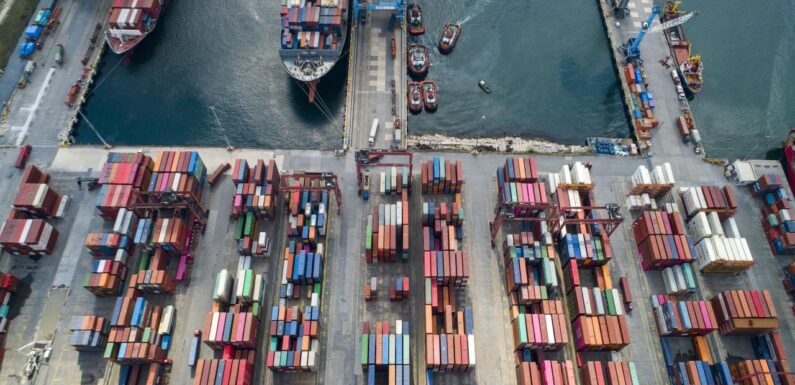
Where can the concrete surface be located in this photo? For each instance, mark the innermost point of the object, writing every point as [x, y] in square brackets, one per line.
[37, 113]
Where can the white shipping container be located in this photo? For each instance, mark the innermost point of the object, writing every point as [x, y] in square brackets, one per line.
[669, 173]
[550, 330]
[730, 228]
[586, 296]
[213, 327]
[25, 230]
[471, 347]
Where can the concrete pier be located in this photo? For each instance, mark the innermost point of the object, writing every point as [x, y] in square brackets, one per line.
[52, 292]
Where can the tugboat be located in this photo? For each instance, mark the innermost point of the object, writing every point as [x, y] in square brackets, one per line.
[415, 98]
[429, 95]
[419, 60]
[416, 26]
[449, 37]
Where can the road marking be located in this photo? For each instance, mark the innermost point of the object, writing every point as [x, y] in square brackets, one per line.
[633, 14]
[632, 5]
[636, 24]
[647, 9]
[32, 109]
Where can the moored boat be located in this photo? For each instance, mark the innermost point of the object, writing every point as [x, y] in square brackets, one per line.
[429, 95]
[689, 67]
[789, 158]
[416, 25]
[415, 97]
[313, 34]
[130, 21]
[449, 38]
[419, 60]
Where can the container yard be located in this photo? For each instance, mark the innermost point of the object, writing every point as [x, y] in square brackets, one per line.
[583, 277]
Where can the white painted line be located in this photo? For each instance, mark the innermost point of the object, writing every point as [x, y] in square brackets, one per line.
[636, 24]
[644, 1]
[373, 83]
[633, 14]
[632, 5]
[32, 109]
[647, 9]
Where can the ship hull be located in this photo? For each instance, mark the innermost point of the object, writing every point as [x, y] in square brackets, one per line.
[789, 160]
[121, 46]
[310, 65]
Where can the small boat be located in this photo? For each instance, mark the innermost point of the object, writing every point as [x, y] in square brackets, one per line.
[59, 54]
[416, 26]
[415, 97]
[449, 37]
[429, 95]
[419, 60]
[483, 86]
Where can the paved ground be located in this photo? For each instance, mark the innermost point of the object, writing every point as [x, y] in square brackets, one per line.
[37, 113]
[343, 305]
[372, 84]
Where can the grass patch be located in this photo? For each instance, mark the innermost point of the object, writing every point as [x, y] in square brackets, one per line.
[13, 25]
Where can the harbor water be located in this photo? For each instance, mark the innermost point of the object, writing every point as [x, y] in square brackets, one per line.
[747, 105]
[207, 57]
[548, 65]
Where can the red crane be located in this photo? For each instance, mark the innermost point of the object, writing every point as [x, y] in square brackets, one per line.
[372, 158]
[301, 181]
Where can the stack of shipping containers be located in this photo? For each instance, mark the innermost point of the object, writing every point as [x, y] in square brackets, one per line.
[89, 333]
[294, 343]
[777, 220]
[8, 286]
[256, 195]
[139, 332]
[386, 347]
[26, 231]
[232, 326]
[449, 328]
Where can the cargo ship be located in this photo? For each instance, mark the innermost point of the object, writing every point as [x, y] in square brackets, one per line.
[690, 68]
[313, 34]
[789, 158]
[129, 21]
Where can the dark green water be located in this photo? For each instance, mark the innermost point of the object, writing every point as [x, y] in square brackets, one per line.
[547, 63]
[747, 105]
[215, 54]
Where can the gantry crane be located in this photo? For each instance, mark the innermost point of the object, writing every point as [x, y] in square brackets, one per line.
[372, 158]
[297, 181]
[171, 200]
[507, 212]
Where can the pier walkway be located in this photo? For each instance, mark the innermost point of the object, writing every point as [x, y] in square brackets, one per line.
[374, 73]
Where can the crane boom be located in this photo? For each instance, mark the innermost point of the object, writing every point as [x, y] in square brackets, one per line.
[673, 23]
[632, 48]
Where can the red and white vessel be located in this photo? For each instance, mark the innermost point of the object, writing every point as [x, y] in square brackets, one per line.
[415, 97]
[130, 21]
[429, 95]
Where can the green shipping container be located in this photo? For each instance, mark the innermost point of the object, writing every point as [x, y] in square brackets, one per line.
[108, 354]
[250, 220]
[406, 348]
[248, 283]
[144, 263]
[427, 291]
[522, 330]
[611, 305]
[365, 346]
[368, 239]
[239, 228]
